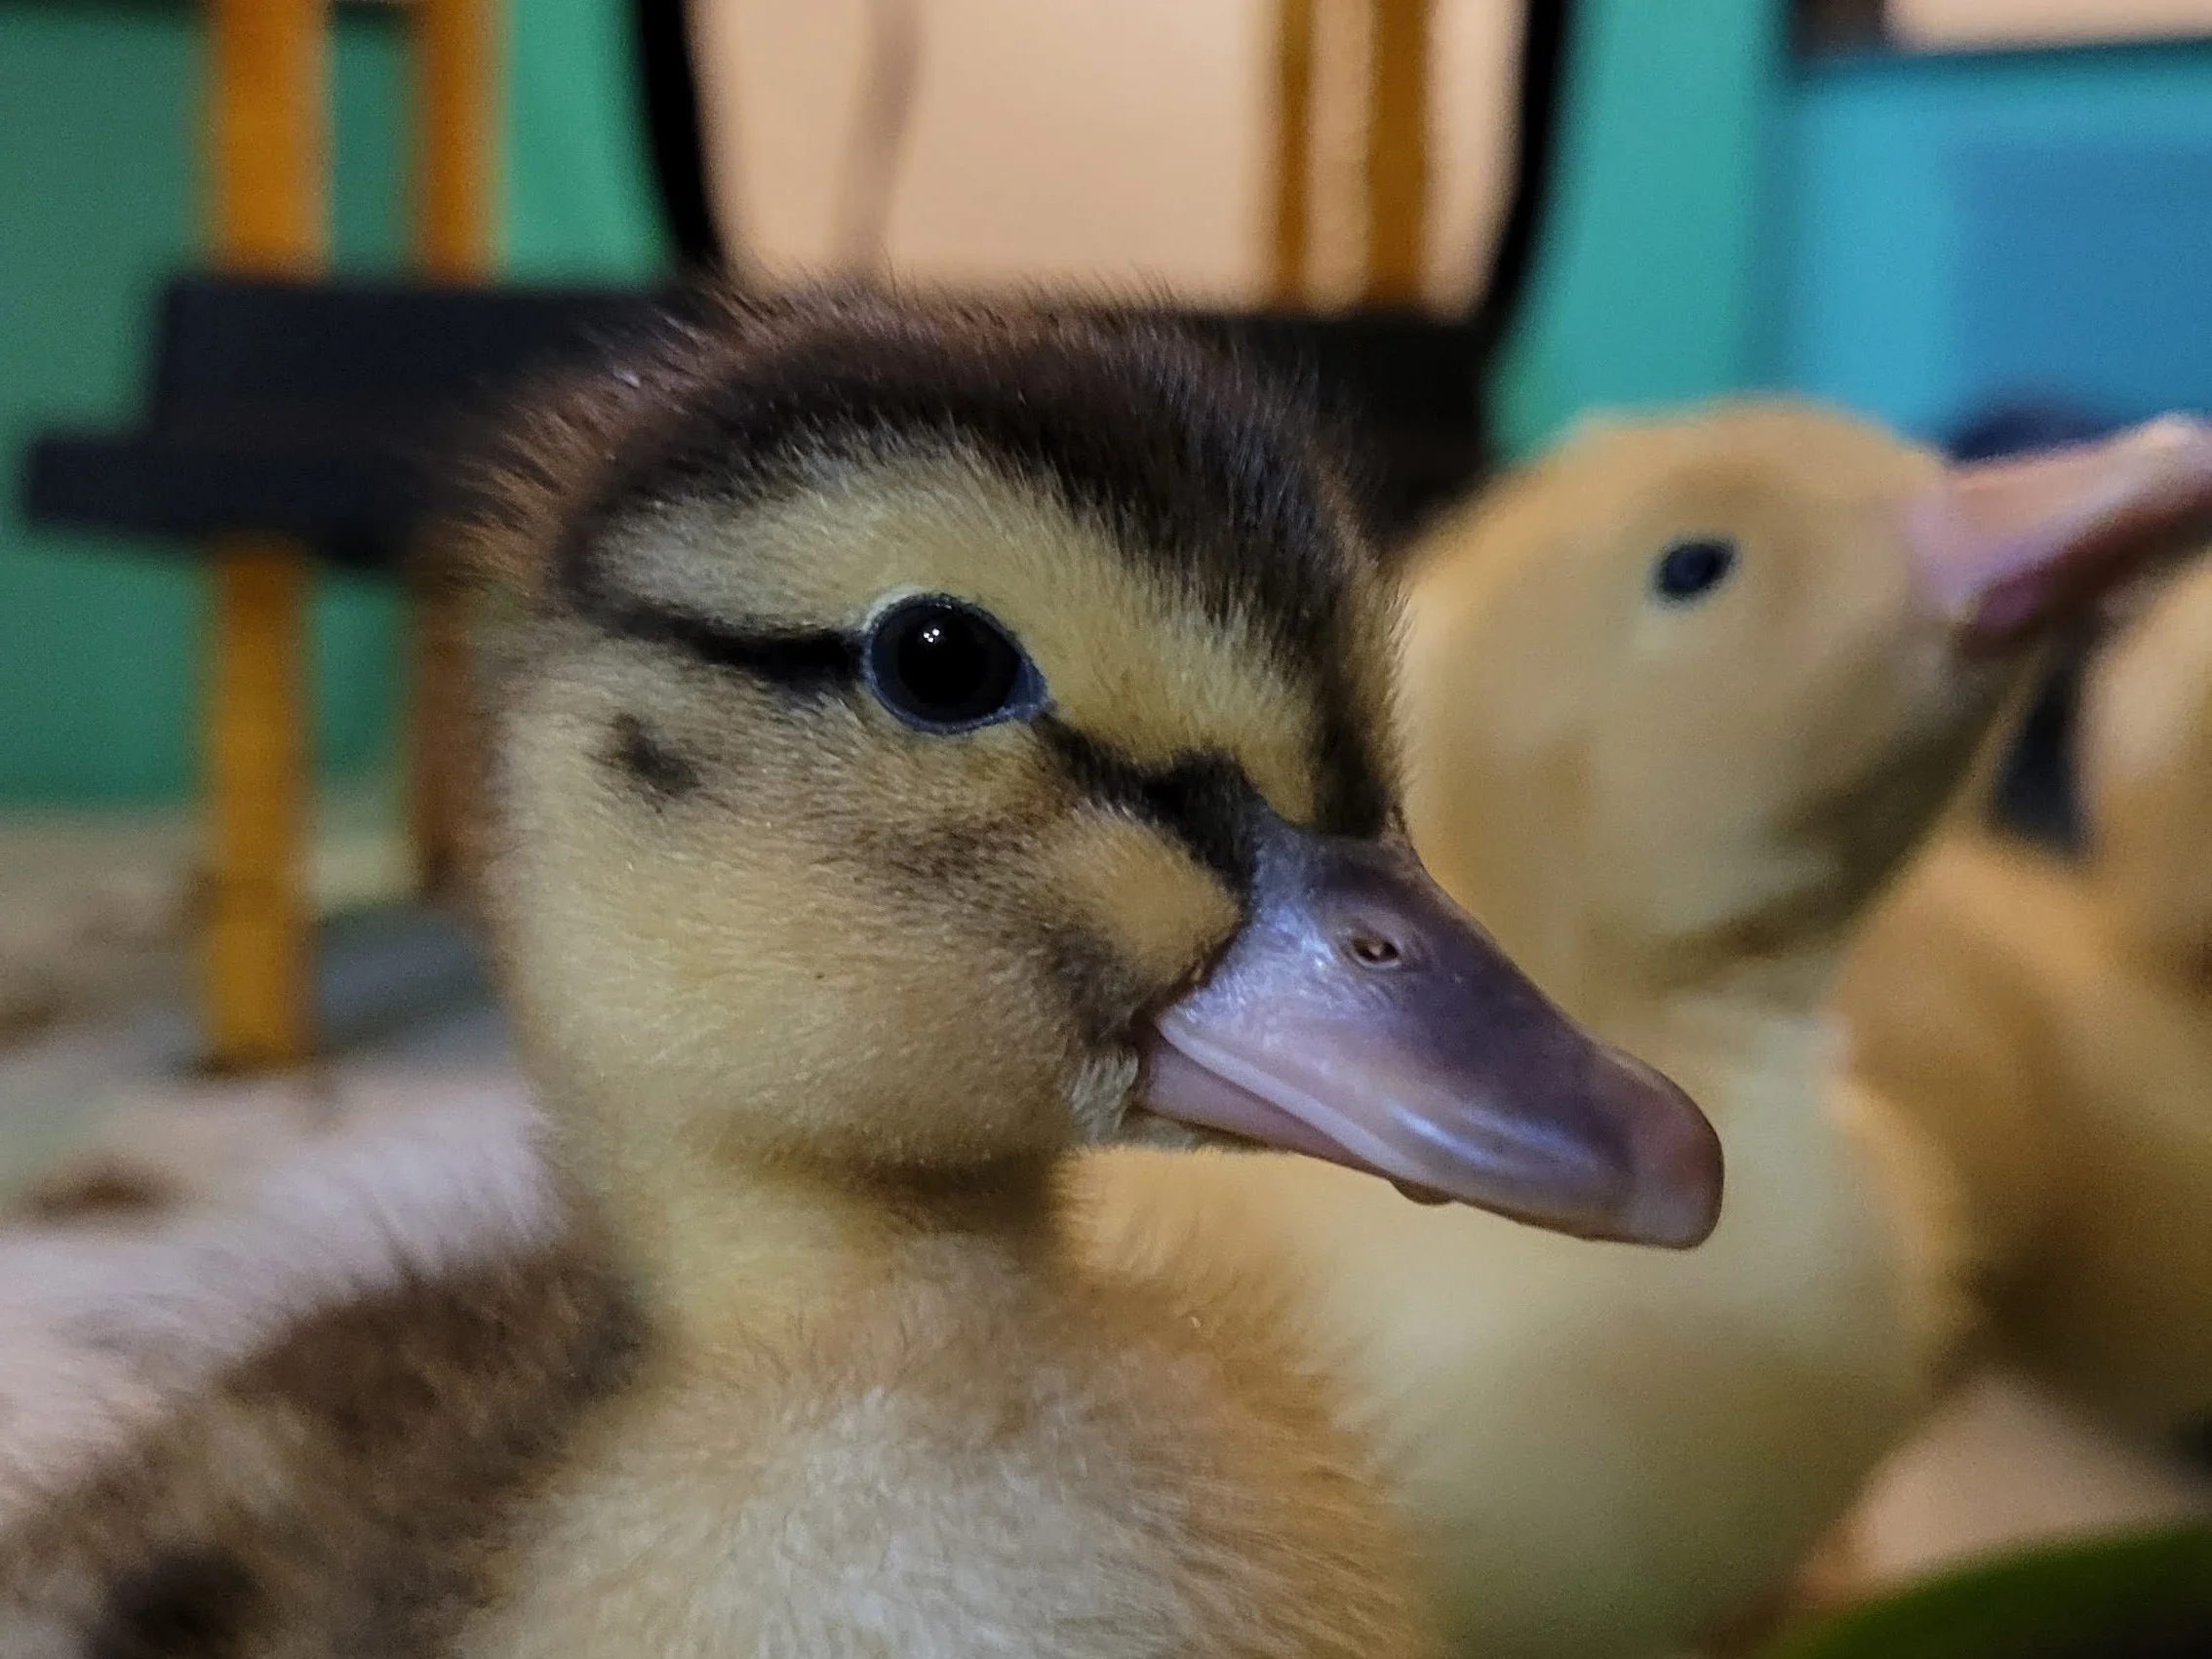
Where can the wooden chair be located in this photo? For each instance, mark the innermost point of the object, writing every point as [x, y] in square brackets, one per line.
[294, 417]
[189, 473]
[1412, 382]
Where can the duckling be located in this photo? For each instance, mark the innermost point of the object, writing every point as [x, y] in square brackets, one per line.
[2050, 1025]
[1681, 696]
[923, 739]
[2146, 764]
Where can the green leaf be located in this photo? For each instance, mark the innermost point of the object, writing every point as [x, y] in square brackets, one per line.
[2145, 1594]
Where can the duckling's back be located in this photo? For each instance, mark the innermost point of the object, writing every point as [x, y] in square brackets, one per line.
[347, 1489]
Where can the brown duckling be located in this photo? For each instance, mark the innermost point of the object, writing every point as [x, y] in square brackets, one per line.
[924, 741]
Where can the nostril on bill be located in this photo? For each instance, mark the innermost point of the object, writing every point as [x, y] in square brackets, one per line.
[1371, 949]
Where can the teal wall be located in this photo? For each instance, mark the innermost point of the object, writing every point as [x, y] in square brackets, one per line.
[1647, 289]
[1918, 238]
[580, 200]
[100, 186]
[99, 201]
[1721, 221]
[1652, 276]
[1961, 231]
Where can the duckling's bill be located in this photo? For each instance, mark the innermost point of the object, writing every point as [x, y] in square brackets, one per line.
[2004, 545]
[1361, 1018]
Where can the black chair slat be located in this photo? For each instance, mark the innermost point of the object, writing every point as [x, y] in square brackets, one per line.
[365, 347]
[334, 412]
[354, 503]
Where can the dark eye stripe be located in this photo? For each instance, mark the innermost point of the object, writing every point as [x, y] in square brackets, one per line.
[1205, 801]
[817, 659]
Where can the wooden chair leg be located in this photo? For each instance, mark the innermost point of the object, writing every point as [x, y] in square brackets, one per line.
[269, 133]
[456, 149]
[457, 152]
[259, 963]
[1397, 151]
[1294, 150]
[437, 735]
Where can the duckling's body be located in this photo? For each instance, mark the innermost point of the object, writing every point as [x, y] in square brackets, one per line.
[953, 1451]
[1604, 1452]
[959, 1453]
[2050, 1026]
[912, 730]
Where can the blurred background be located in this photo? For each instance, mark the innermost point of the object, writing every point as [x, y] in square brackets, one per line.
[1987, 222]
[1919, 209]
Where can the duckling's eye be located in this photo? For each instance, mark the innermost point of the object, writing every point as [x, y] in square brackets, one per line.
[1693, 567]
[943, 666]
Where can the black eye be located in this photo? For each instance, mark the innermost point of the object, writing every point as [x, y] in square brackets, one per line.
[1693, 567]
[944, 666]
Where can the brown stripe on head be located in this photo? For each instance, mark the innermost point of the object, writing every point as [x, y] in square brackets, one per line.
[1180, 459]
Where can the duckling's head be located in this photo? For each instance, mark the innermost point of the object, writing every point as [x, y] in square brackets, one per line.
[1685, 691]
[2146, 767]
[926, 739]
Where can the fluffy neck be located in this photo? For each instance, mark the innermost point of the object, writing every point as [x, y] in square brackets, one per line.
[1758, 1055]
[723, 1243]
[1611, 932]
[1779, 963]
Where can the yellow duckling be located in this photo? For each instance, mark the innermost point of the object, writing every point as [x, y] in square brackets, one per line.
[910, 730]
[2050, 1025]
[1682, 695]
